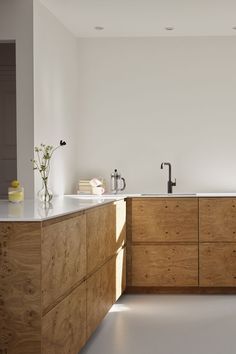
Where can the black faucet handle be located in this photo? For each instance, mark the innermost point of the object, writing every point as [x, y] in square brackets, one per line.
[174, 183]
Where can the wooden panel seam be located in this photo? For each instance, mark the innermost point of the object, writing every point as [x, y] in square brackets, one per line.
[62, 297]
[152, 243]
[63, 258]
[103, 263]
[213, 242]
[57, 219]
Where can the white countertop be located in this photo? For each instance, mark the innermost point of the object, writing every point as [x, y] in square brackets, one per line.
[33, 210]
[187, 195]
[152, 195]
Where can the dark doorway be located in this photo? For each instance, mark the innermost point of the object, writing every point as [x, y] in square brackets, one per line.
[8, 156]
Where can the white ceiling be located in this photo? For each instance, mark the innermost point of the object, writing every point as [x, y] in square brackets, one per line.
[146, 18]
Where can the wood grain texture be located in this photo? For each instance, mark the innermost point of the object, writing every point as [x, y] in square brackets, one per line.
[57, 219]
[101, 294]
[64, 327]
[63, 258]
[165, 265]
[43, 279]
[217, 219]
[165, 220]
[20, 307]
[217, 264]
[101, 235]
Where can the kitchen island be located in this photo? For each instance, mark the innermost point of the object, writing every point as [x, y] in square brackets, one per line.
[62, 267]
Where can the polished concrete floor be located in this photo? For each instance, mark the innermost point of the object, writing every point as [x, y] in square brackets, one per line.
[167, 324]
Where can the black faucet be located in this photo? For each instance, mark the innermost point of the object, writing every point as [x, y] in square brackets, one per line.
[170, 184]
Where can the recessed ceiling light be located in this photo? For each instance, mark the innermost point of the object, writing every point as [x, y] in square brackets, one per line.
[99, 28]
[169, 28]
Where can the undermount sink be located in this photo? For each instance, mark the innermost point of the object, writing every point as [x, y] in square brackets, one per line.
[168, 195]
[117, 196]
[93, 196]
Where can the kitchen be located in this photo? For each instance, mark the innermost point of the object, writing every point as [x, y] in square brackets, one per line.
[131, 95]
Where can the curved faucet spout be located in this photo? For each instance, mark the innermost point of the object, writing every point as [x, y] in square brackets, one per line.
[170, 184]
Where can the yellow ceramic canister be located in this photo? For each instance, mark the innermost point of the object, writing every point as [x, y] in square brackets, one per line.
[15, 192]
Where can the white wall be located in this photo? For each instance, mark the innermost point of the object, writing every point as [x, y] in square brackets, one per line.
[16, 23]
[144, 101]
[55, 96]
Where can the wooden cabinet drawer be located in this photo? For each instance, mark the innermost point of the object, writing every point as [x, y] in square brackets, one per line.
[217, 219]
[165, 220]
[165, 265]
[101, 294]
[63, 257]
[217, 264]
[101, 235]
[64, 327]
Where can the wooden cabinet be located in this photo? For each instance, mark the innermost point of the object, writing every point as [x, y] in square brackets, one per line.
[106, 254]
[64, 327]
[217, 219]
[162, 242]
[165, 265]
[63, 258]
[101, 235]
[217, 264]
[106, 233]
[165, 220]
[101, 287]
[20, 271]
[181, 242]
[104, 287]
[217, 236]
[49, 297]
[60, 277]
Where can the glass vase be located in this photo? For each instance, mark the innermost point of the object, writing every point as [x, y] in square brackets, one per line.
[45, 194]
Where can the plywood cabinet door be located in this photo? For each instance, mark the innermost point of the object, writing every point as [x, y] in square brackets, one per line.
[20, 306]
[101, 294]
[101, 235]
[217, 264]
[165, 265]
[165, 220]
[63, 258]
[64, 327]
[217, 219]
